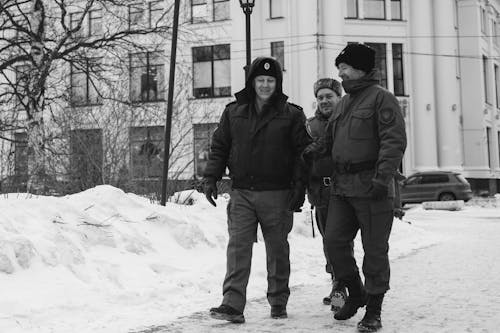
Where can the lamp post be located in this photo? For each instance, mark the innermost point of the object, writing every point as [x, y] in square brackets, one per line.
[247, 6]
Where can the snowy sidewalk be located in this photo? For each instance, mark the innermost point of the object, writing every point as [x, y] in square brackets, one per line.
[450, 287]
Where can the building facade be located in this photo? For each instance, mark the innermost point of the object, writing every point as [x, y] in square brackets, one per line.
[440, 58]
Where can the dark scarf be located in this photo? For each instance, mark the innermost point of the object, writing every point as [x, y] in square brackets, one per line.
[355, 86]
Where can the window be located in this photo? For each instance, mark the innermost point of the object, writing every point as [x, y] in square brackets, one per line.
[483, 20]
[202, 134]
[145, 15]
[86, 158]
[147, 81]
[351, 8]
[21, 156]
[278, 52]
[374, 9]
[95, 23]
[83, 84]
[397, 66]
[212, 71]
[275, 9]
[199, 11]
[434, 179]
[485, 79]
[155, 13]
[221, 10]
[74, 19]
[91, 23]
[488, 145]
[498, 142]
[497, 86]
[494, 32]
[135, 15]
[22, 80]
[146, 151]
[380, 61]
[396, 10]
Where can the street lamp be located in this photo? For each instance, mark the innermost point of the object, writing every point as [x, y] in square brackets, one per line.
[247, 6]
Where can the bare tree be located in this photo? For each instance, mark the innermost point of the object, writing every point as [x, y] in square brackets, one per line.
[43, 43]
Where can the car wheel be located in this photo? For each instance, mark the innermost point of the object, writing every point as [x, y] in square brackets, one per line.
[446, 197]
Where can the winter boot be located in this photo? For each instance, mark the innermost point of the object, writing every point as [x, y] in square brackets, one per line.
[371, 322]
[327, 300]
[226, 312]
[338, 299]
[278, 312]
[355, 300]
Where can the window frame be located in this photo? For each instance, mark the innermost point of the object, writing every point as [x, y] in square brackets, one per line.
[366, 17]
[160, 89]
[212, 60]
[271, 15]
[276, 47]
[202, 141]
[380, 57]
[157, 141]
[227, 3]
[400, 11]
[193, 5]
[400, 61]
[88, 81]
[356, 8]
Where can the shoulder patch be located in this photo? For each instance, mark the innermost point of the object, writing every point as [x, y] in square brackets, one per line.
[387, 116]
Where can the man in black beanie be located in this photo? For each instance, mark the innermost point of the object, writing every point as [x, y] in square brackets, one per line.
[260, 138]
[366, 139]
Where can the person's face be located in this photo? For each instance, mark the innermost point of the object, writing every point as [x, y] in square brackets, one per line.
[327, 99]
[347, 72]
[264, 86]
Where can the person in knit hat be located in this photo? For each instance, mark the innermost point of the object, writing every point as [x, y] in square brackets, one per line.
[260, 139]
[366, 140]
[328, 93]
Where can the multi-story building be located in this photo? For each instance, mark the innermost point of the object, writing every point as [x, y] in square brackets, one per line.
[440, 58]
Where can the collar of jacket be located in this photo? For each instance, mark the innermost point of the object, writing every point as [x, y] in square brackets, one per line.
[355, 86]
[278, 101]
[318, 114]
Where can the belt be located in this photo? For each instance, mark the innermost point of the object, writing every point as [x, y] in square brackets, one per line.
[349, 167]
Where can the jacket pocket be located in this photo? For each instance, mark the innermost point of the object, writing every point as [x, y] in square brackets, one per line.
[362, 124]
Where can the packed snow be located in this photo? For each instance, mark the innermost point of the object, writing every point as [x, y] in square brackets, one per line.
[107, 261]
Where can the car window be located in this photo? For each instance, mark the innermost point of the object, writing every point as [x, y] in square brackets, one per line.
[413, 180]
[462, 179]
[433, 179]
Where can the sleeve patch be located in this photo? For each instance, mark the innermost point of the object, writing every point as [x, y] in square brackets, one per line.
[387, 116]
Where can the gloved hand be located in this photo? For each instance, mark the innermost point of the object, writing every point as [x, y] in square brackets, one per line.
[210, 189]
[399, 213]
[297, 199]
[309, 152]
[379, 191]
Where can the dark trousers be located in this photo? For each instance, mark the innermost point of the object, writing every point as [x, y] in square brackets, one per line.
[321, 213]
[246, 209]
[374, 218]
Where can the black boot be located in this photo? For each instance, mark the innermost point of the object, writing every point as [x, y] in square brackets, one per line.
[371, 322]
[355, 300]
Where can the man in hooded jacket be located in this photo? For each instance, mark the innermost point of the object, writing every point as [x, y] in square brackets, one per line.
[260, 138]
[366, 139]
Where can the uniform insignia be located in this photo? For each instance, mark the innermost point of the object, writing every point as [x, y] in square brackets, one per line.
[267, 66]
[387, 116]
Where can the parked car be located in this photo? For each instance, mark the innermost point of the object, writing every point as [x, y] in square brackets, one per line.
[434, 186]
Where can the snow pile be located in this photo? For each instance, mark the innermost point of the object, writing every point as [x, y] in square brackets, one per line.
[101, 259]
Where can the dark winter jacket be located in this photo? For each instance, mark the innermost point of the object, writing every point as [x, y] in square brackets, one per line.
[367, 127]
[262, 151]
[318, 193]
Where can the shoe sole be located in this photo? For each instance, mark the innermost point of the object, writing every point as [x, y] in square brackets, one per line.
[366, 329]
[337, 301]
[283, 316]
[237, 319]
